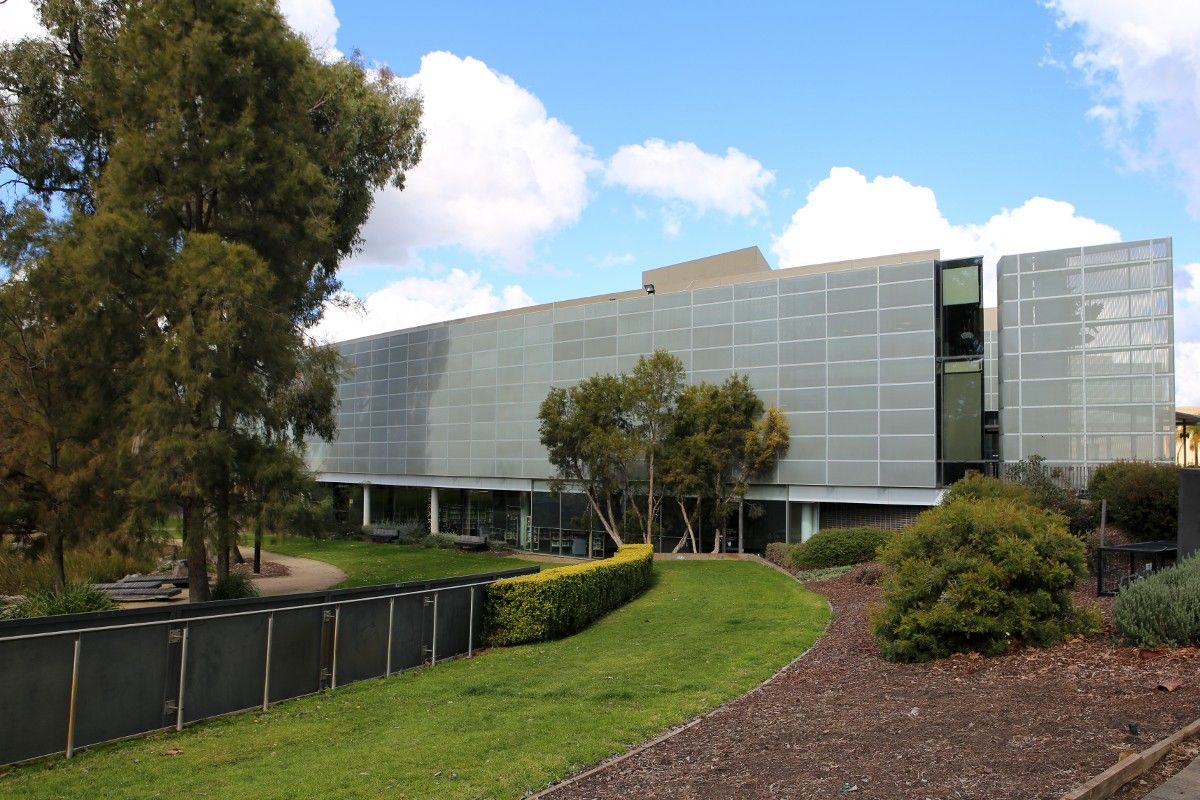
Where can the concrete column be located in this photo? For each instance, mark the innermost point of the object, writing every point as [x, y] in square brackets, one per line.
[787, 521]
[806, 521]
[434, 512]
[366, 504]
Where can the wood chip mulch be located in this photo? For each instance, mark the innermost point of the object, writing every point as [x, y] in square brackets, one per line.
[842, 722]
[270, 569]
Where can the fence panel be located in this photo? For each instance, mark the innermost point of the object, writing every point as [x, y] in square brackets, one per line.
[295, 653]
[408, 633]
[35, 693]
[362, 640]
[224, 667]
[126, 679]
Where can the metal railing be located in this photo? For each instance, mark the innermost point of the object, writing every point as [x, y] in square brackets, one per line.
[114, 679]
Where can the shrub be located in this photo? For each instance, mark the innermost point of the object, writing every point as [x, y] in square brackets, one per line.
[869, 574]
[410, 531]
[441, 541]
[1162, 609]
[1143, 498]
[234, 586]
[780, 554]
[976, 486]
[840, 547]
[978, 576]
[76, 598]
[23, 569]
[558, 602]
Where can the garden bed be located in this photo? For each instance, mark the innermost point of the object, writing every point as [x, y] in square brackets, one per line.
[842, 721]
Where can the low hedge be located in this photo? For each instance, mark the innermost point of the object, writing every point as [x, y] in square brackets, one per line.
[1161, 610]
[780, 554]
[840, 547]
[561, 601]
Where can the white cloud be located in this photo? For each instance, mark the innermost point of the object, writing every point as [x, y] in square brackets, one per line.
[681, 171]
[317, 21]
[417, 301]
[614, 260]
[1187, 301]
[497, 173]
[1143, 61]
[1187, 373]
[18, 20]
[846, 216]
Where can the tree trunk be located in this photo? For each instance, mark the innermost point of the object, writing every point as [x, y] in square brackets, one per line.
[650, 499]
[257, 549]
[197, 555]
[690, 534]
[610, 529]
[60, 567]
[238, 558]
[224, 533]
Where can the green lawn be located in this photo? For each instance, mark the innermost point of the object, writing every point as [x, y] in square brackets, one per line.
[497, 725]
[367, 563]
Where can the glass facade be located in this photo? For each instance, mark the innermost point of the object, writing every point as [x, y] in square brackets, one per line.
[883, 369]
[1085, 364]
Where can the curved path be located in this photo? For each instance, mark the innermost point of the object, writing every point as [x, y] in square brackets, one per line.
[306, 575]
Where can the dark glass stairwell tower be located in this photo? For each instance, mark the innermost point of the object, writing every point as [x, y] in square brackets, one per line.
[960, 383]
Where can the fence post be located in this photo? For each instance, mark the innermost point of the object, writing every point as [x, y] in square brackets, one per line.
[337, 619]
[433, 651]
[267, 668]
[182, 675]
[391, 617]
[74, 696]
[471, 625]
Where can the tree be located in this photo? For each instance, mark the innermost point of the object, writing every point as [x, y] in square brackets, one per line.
[652, 390]
[215, 174]
[720, 439]
[587, 435]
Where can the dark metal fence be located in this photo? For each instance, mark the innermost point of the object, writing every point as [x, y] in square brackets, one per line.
[72, 681]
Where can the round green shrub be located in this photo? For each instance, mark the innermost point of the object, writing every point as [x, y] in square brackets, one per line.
[234, 586]
[76, 598]
[1162, 610]
[840, 547]
[1143, 498]
[978, 575]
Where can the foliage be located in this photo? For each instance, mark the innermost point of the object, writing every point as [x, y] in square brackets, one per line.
[543, 710]
[1143, 498]
[586, 432]
[558, 602]
[1161, 610]
[442, 541]
[719, 440]
[25, 567]
[780, 554]
[823, 574]
[75, 598]
[208, 174]
[980, 576]
[977, 486]
[652, 390]
[234, 586]
[840, 547]
[1051, 492]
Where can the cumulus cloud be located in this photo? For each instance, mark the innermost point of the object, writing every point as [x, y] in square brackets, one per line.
[1187, 373]
[497, 172]
[417, 301]
[1143, 61]
[681, 172]
[847, 216]
[317, 21]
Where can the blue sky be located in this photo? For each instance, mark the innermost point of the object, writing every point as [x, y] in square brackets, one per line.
[571, 146]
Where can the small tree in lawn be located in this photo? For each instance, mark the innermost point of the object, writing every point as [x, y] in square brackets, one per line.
[652, 391]
[720, 438]
[588, 439]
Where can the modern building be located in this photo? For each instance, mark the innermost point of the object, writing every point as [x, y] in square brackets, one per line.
[895, 378]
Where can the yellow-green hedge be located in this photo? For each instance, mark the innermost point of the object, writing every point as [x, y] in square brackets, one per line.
[558, 602]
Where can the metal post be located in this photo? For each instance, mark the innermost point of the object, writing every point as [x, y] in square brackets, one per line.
[182, 675]
[71, 702]
[391, 616]
[433, 650]
[471, 625]
[267, 669]
[337, 619]
[741, 526]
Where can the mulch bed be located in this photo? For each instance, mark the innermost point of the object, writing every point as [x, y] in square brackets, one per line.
[843, 722]
[270, 569]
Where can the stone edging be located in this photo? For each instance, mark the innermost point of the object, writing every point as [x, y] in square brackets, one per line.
[617, 759]
[1125, 770]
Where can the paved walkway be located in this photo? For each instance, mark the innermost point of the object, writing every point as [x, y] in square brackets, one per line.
[307, 575]
[1184, 786]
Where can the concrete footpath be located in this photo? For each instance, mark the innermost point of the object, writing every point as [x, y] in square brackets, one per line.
[1185, 785]
[306, 575]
